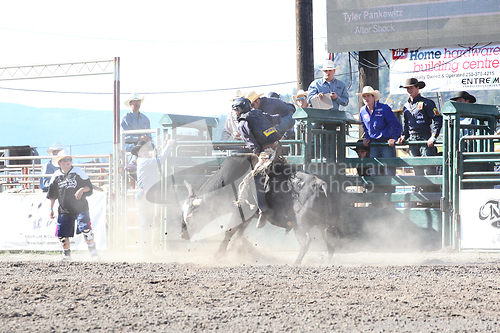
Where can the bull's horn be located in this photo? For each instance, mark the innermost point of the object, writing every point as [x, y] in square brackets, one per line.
[189, 188]
[197, 202]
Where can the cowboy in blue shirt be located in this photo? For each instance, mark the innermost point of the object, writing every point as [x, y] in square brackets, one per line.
[380, 125]
[328, 85]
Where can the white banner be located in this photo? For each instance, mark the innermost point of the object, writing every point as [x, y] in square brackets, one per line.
[447, 68]
[480, 219]
[25, 223]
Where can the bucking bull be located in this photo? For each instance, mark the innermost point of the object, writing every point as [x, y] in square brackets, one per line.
[297, 200]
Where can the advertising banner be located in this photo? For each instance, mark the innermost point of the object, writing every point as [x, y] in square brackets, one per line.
[25, 223]
[447, 68]
[364, 25]
[480, 219]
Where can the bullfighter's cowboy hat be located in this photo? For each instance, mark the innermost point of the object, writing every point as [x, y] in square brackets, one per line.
[465, 95]
[60, 155]
[329, 65]
[413, 83]
[371, 91]
[55, 147]
[252, 96]
[133, 97]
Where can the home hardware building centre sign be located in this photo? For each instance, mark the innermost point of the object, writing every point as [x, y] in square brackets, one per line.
[361, 25]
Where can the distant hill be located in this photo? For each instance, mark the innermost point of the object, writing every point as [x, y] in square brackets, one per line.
[84, 131]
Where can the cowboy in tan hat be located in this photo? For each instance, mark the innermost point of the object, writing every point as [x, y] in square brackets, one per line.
[134, 120]
[274, 106]
[419, 114]
[380, 125]
[301, 99]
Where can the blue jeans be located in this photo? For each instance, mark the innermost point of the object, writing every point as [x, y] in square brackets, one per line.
[287, 122]
[383, 151]
[424, 151]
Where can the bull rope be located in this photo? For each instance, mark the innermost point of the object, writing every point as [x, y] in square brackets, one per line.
[265, 159]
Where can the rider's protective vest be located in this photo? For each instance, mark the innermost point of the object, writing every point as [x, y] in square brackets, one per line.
[262, 129]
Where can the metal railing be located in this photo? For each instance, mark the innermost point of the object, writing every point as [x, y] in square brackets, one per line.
[27, 176]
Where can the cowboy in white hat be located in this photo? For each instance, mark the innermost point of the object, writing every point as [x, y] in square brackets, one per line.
[419, 114]
[70, 185]
[329, 86]
[49, 168]
[134, 120]
[380, 125]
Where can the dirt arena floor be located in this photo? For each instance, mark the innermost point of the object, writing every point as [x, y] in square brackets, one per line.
[186, 290]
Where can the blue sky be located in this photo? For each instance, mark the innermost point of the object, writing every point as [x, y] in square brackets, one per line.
[164, 46]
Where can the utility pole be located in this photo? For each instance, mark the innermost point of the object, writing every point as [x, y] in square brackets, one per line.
[304, 44]
[368, 75]
[368, 71]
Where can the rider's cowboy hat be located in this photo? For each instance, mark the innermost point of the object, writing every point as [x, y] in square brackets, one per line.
[60, 155]
[56, 146]
[133, 97]
[413, 83]
[465, 95]
[371, 91]
[252, 96]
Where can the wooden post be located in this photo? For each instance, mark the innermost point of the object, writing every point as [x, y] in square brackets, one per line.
[304, 44]
[368, 75]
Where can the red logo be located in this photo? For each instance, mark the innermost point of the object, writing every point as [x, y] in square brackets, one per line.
[399, 54]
